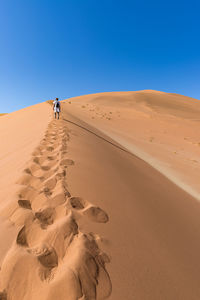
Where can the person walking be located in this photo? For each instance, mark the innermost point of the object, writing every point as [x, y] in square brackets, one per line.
[56, 107]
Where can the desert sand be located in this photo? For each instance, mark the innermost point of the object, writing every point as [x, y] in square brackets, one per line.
[103, 203]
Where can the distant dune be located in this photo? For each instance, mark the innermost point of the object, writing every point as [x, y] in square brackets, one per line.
[102, 203]
[160, 102]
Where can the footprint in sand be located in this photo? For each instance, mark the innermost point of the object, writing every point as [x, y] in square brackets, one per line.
[94, 213]
[40, 174]
[28, 171]
[50, 148]
[21, 237]
[67, 162]
[40, 160]
[45, 168]
[24, 204]
[47, 192]
[47, 256]
[36, 160]
[45, 216]
[77, 203]
[51, 158]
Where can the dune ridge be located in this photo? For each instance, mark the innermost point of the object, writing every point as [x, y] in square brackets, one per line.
[51, 258]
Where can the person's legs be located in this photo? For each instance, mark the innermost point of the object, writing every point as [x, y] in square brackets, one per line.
[58, 114]
[55, 115]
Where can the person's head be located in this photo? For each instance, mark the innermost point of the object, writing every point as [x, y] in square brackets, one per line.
[56, 99]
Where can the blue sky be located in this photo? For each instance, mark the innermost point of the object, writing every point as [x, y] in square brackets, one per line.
[67, 48]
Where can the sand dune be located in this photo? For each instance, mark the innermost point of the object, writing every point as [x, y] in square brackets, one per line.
[50, 257]
[83, 217]
[163, 103]
[159, 127]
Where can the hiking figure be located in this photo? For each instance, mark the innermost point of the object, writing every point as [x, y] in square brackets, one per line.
[56, 107]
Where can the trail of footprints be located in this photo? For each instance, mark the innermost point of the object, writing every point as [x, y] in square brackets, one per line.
[49, 236]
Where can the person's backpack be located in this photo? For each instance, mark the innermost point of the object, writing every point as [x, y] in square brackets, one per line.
[57, 104]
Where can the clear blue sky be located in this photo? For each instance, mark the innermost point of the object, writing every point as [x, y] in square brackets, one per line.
[73, 47]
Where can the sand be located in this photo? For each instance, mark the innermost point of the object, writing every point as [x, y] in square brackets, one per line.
[46, 256]
[83, 217]
[160, 128]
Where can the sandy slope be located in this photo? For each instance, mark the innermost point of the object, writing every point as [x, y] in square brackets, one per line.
[161, 128]
[153, 232]
[47, 256]
[20, 132]
[84, 211]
